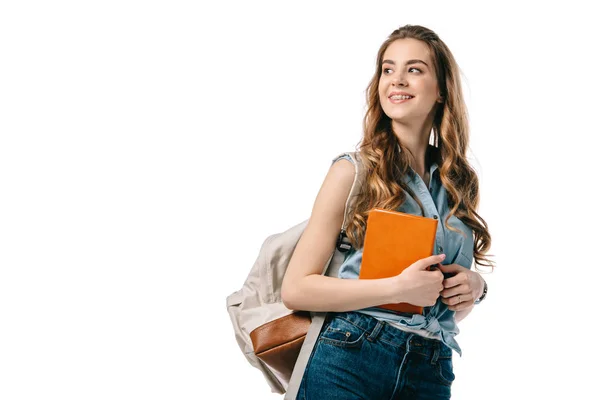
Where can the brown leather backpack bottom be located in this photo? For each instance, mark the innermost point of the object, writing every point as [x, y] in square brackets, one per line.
[278, 342]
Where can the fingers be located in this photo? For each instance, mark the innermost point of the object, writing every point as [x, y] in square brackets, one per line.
[431, 260]
[457, 293]
[452, 268]
[462, 305]
[436, 276]
[459, 279]
[456, 290]
[459, 302]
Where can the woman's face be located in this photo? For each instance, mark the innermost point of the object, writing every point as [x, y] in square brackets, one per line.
[408, 68]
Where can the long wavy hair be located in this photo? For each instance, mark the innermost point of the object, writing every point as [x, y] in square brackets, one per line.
[386, 161]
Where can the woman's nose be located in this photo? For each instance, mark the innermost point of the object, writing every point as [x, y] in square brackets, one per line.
[399, 81]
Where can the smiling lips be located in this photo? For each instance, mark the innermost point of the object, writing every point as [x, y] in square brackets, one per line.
[399, 97]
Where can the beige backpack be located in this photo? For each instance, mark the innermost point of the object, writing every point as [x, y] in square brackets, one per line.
[276, 340]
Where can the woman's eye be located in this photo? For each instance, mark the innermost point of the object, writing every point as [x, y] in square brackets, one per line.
[385, 70]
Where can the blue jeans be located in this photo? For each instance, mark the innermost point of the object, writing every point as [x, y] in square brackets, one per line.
[359, 357]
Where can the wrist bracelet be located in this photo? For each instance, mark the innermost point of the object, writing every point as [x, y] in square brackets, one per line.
[479, 300]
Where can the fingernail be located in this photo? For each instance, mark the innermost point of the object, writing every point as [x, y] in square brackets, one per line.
[443, 256]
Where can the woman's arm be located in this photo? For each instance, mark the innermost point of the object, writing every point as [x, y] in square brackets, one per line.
[460, 315]
[303, 287]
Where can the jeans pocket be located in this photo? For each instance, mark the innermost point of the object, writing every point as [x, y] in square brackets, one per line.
[343, 333]
[444, 371]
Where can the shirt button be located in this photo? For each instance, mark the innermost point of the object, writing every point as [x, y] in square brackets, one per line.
[440, 249]
[435, 217]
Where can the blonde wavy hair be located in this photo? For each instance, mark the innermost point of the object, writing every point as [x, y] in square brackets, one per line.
[386, 161]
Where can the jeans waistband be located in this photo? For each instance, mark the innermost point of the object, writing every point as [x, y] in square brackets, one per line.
[381, 330]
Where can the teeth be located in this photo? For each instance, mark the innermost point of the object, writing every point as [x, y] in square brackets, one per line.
[401, 97]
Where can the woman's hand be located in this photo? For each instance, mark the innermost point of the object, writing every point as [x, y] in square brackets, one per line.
[417, 284]
[462, 289]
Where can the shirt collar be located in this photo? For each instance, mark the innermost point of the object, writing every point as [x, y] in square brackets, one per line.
[432, 152]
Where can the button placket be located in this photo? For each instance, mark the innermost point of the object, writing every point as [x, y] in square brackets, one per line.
[429, 204]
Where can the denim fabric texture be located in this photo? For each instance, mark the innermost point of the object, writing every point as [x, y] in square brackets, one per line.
[437, 321]
[360, 357]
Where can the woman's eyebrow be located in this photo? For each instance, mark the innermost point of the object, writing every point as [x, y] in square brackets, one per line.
[409, 62]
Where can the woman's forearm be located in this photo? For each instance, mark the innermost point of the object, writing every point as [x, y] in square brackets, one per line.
[324, 293]
[460, 315]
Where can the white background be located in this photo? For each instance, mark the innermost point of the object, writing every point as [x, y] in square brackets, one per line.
[148, 148]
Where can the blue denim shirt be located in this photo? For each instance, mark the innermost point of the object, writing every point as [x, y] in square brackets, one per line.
[437, 321]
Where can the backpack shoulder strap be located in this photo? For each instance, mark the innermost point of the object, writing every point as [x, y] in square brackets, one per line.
[354, 158]
[318, 318]
[356, 187]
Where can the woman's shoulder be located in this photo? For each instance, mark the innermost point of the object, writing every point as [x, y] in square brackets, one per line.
[350, 156]
[343, 169]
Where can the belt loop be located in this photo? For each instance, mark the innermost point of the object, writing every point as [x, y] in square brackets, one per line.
[409, 342]
[436, 353]
[373, 335]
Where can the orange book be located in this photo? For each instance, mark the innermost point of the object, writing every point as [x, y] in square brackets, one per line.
[393, 241]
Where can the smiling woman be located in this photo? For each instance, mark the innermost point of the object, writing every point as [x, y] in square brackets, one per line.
[416, 73]
[363, 350]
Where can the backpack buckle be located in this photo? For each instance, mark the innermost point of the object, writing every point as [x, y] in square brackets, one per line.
[343, 245]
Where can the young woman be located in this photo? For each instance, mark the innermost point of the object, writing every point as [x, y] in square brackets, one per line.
[366, 352]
